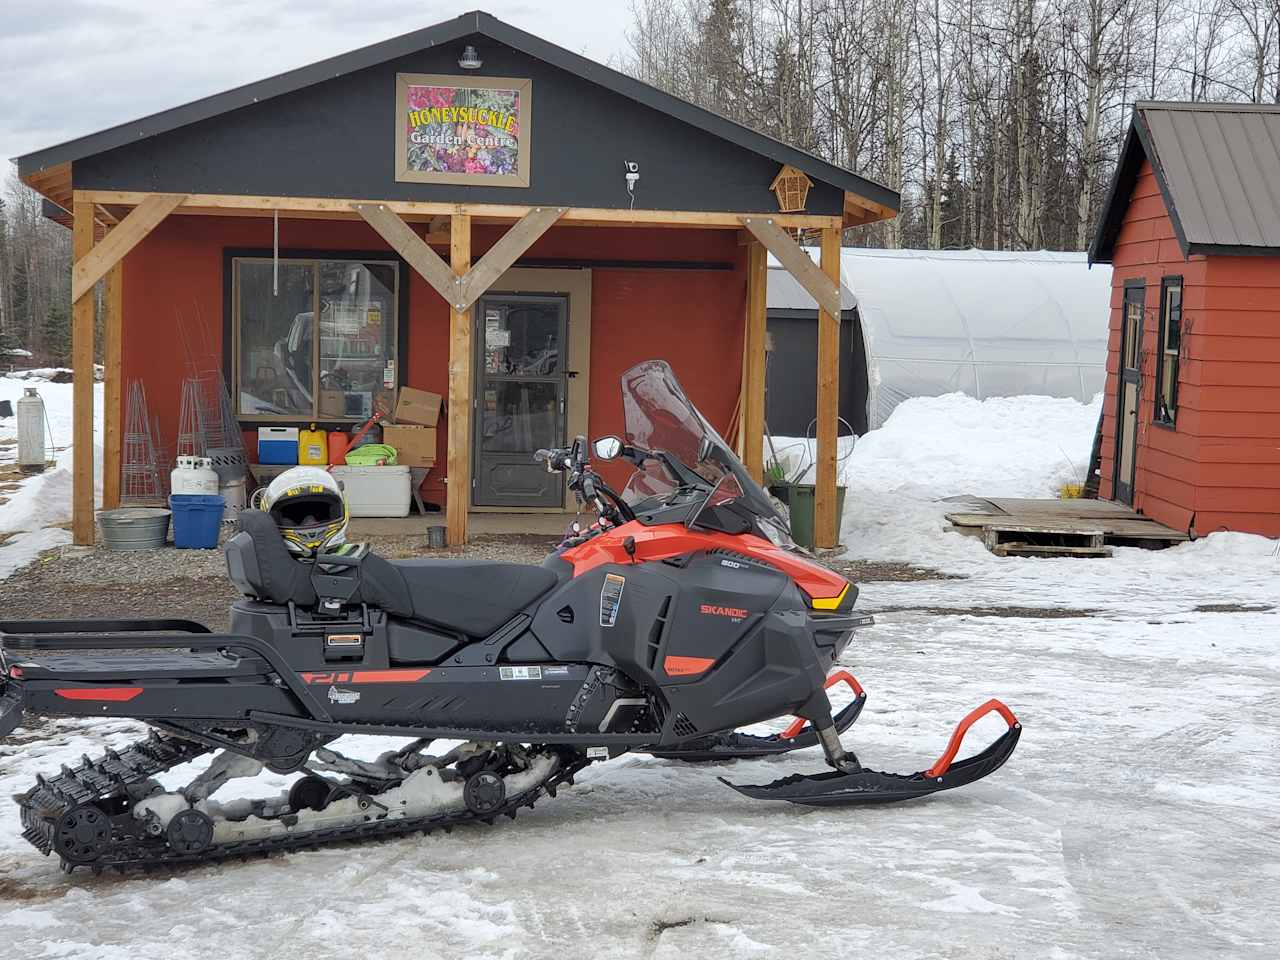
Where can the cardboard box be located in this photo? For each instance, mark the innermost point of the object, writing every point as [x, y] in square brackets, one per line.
[420, 407]
[333, 403]
[415, 445]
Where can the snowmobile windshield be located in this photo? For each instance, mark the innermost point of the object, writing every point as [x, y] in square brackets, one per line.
[659, 418]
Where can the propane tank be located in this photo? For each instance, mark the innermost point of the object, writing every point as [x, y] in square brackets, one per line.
[194, 475]
[31, 452]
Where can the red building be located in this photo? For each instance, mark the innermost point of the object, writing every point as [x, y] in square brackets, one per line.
[1191, 226]
[469, 210]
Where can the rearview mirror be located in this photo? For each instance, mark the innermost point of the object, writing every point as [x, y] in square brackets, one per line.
[608, 448]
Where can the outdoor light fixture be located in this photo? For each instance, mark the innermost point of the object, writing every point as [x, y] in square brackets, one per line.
[470, 59]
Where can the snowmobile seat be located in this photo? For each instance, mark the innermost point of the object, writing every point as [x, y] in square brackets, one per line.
[472, 597]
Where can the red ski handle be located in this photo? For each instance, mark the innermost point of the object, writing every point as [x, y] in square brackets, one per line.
[953, 747]
[840, 676]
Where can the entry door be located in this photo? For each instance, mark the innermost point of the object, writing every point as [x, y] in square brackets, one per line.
[1127, 396]
[521, 343]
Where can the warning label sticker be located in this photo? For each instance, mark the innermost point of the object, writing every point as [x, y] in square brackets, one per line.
[520, 673]
[611, 599]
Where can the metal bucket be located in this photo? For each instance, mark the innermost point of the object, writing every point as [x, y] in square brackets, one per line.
[134, 528]
[233, 493]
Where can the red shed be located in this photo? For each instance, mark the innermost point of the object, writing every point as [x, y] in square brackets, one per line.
[1191, 226]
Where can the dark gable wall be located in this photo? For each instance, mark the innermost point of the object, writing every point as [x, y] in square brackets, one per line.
[336, 139]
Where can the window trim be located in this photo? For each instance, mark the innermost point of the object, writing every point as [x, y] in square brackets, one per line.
[231, 336]
[1166, 283]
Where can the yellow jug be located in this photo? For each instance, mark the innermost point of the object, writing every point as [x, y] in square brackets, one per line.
[313, 447]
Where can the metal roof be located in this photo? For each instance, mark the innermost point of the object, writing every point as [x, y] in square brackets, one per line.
[1218, 169]
[467, 25]
[785, 293]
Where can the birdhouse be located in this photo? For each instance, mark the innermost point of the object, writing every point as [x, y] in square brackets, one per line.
[792, 188]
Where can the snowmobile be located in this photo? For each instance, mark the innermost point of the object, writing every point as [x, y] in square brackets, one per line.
[680, 615]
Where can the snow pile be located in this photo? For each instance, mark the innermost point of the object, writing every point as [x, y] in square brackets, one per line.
[932, 448]
[953, 445]
[42, 501]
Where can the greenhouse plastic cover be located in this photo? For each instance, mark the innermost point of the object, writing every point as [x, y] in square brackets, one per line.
[986, 323]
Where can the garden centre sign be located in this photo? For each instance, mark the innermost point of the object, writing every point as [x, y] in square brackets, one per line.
[472, 130]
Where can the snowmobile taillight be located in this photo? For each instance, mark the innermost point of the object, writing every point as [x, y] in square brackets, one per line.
[15, 672]
[840, 676]
[953, 747]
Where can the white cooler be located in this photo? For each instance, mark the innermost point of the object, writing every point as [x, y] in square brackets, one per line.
[375, 491]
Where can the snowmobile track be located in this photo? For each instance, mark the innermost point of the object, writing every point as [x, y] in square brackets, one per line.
[106, 779]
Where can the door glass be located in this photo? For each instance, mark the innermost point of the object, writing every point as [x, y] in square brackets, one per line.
[522, 339]
[276, 338]
[520, 416]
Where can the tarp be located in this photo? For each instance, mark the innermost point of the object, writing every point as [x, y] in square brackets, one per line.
[986, 323]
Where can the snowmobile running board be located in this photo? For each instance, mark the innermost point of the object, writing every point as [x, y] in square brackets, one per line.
[838, 788]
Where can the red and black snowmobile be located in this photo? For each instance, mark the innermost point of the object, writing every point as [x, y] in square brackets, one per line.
[683, 613]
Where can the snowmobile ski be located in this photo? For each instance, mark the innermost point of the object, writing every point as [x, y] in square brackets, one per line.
[858, 785]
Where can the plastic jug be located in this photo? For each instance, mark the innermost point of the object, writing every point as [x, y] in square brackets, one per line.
[313, 447]
[339, 443]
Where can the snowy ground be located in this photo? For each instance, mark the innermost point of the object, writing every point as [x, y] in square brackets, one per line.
[42, 500]
[1137, 819]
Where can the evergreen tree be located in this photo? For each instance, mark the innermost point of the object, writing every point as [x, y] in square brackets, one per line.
[55, 334]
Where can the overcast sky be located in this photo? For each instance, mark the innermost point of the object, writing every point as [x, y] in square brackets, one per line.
[71, 67]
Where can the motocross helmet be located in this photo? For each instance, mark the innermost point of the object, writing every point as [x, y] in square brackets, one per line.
[308, 507]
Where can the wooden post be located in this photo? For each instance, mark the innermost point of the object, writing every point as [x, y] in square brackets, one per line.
[82, 384]
[458, 501]
[112, 328]
[754, 356]
[826, 520]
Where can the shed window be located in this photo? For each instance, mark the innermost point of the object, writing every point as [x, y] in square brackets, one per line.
[289, 368]
[1170, 341]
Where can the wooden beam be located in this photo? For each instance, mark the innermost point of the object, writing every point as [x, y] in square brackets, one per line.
[861, 210]
[458, 498]
[414, 249]
[127, 235]
[112, 413]
[754, 349]
[826, 519]
[82, 311]
[797, 263]
[507, 251]
[504, 212]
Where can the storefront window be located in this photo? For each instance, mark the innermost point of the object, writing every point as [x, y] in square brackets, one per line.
[290, 367]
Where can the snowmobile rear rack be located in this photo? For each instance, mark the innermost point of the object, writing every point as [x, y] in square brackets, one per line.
[29, 636]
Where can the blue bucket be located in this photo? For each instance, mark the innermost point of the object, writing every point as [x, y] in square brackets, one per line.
[196, 520]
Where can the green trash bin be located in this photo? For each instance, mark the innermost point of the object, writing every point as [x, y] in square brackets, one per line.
[799, 497]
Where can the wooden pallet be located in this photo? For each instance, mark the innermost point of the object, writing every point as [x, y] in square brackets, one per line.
[1029, 540]
[1068, 528]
